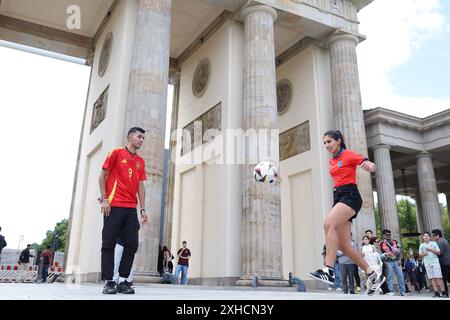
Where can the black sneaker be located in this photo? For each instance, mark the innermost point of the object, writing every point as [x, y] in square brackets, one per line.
[322, 276]
[437, 295]
[125, 288]
[374, 282]
[110, 287]
[352, 291]
[444, 295]
[371, 292]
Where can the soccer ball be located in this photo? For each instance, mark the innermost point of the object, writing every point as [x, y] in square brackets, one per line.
[265, 172]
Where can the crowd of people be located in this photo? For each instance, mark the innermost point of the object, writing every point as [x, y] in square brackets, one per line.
[430, 264]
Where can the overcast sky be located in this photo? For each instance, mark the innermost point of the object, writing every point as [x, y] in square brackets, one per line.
[403, 66]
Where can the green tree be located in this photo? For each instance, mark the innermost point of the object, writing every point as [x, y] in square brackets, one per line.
[445, 222]
[55, 238]
[408, 223]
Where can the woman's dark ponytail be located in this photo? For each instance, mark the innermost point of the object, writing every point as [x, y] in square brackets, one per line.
[343, 146]
[336, 134]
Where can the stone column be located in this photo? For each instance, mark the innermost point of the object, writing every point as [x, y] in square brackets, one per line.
[261, 211]
[146, 108]
[386, 190]
[175, 81]
[431, 211]
[419, 218]
[348, 115]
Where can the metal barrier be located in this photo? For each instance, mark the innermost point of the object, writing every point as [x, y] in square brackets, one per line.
[14, 273]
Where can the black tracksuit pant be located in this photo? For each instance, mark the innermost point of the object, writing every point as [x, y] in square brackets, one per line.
[123, 222]
[445, 275]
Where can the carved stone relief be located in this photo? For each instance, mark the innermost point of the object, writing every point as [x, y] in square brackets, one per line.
[295, 141]
[99, 112]
[211, 119]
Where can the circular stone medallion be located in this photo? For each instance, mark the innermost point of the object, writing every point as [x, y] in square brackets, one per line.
[201, 78]
[105, 54]
[284, 96]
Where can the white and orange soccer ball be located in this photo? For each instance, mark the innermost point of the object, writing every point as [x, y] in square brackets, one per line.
[265, 172]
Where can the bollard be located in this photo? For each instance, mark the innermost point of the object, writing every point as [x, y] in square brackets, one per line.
[295, 280]
[255, 281]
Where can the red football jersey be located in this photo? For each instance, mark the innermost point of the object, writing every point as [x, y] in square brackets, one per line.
[126, 170]
[343, 167]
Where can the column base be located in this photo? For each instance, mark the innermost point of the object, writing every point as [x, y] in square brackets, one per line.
[245, 282]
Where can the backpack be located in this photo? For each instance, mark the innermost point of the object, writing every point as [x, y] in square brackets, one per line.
[395, 251]
[409, 265]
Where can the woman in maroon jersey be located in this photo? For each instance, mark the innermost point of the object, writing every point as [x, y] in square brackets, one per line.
[347, 203]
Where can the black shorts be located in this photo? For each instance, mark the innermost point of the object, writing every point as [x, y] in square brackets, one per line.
[349, 195]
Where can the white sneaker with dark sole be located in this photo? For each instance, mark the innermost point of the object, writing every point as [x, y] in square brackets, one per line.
[374, 282]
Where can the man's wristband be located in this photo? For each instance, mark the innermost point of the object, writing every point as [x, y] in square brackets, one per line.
[143, 209]
[101, 199]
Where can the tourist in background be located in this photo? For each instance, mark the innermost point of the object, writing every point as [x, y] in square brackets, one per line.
[429, 251]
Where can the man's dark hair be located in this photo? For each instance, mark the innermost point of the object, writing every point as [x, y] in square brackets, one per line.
[28, 245]
[437, 232]
[426, 232]
[135, 129]
[386, 231]
[368, 231]
[49, 247]
[184, 242]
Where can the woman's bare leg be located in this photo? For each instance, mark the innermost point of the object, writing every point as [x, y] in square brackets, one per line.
[337, 232]
[344, 243]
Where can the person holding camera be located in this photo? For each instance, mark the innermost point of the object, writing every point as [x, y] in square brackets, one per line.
[391, 251]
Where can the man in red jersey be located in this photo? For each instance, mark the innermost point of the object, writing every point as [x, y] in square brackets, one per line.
[122, 177]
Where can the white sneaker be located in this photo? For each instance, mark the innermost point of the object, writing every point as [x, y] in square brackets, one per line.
[338, 289]
[390, 294]
[374, 282]
[330, 288]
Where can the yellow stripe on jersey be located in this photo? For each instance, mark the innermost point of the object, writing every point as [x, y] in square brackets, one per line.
[110, 153]
[113, 192]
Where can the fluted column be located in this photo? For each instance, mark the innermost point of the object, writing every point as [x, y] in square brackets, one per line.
[386, 189]
[261, 212]
[146, 108]
[419, 218]
[348, 115]
[168, 215]
[431, 211]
